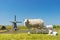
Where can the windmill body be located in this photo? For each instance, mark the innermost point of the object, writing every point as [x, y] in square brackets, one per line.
[15, 23]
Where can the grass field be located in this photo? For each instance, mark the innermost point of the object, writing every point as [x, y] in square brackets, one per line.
[25, 36]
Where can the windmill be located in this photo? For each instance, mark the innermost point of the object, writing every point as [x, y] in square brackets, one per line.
[15, 23]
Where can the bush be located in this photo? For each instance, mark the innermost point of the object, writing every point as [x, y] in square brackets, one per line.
[56, 26]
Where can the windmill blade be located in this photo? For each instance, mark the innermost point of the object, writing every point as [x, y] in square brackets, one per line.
[15, 18]
[18, 22]
[13, 21]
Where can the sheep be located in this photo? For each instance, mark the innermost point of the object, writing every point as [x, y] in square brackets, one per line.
[51, 30]
[35, 23]
[52, 33]
[55, 33]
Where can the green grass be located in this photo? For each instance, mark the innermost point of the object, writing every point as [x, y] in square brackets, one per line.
[25, 36]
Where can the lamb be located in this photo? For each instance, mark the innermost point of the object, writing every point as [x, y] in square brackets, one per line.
[51, 30]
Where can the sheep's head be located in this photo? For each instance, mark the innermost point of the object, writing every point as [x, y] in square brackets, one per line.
[26, 22]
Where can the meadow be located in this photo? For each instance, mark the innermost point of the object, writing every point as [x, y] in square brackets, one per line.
[25, 36]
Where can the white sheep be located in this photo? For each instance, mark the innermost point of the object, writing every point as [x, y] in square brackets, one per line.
[51, 32]
[55, 33]
[35, 23]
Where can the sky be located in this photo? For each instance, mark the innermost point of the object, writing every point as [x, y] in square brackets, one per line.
[47, 10]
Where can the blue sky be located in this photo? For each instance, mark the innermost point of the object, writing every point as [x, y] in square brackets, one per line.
[48, 10]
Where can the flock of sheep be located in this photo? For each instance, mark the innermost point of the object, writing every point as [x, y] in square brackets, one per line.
[38, 24]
